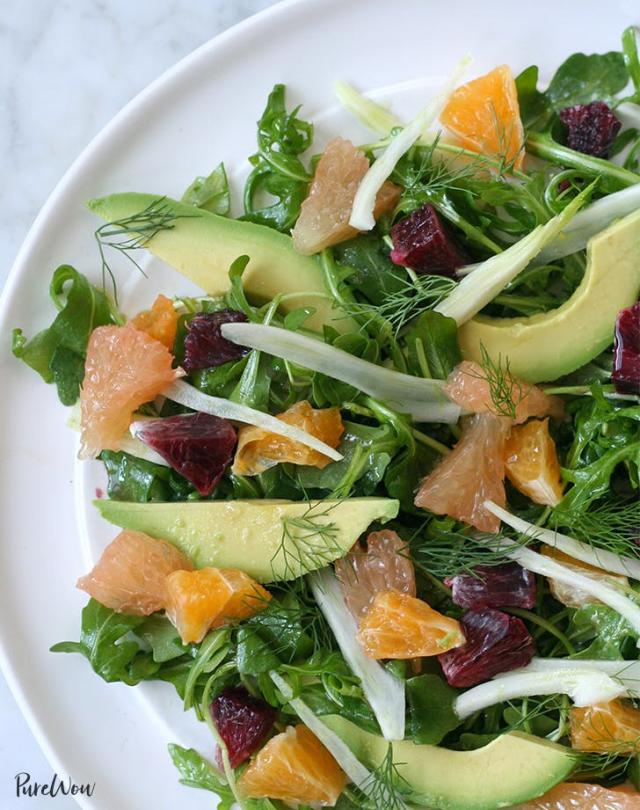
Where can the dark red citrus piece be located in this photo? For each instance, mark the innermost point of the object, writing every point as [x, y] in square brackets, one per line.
[242, 721]
[421, 242]
[198, 446]
[496, 642]
[626, 353]
[204, 346]
[494, 586]
[591, 128]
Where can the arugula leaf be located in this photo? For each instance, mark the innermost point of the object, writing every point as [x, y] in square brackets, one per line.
[278, 171]
[163, 638]
[210, 193]
[607, 631]
[404, 474]
[253, 655]
[196, 772]
[583, 78]
[373, 274]
[134, 479]
[58, 353]
[631, 59]
[432, 344]
[534, 105]
[431, 701]
[103, 642]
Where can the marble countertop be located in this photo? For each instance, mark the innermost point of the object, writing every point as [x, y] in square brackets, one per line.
[66, 67]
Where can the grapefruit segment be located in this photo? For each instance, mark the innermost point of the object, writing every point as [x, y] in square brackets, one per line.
[397, 625]
[124, 369]
[580, 796]
[160, 322]
[470, 474]
[258, 450]
[130, 575]
[324, 216]
[294, 767]
[531, 462]
[385, 564]
[469, 387]
[484, 115]
[198, 601]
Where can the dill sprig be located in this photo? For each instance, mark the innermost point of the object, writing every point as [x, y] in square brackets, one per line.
[612, 525]
[505, 391]
[131, 233]
[308, 541]
[385, 786]
[448, 552]
[592, 765]
[417, 294]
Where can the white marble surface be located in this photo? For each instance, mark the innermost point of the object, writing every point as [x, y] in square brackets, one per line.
[66, 67]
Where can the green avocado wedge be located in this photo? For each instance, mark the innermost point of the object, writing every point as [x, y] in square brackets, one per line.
[509, 770]
[546, 346]
[268, 539]
[202, 246]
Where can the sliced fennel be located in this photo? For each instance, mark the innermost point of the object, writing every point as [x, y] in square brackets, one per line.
[384, 692]
[191, 397]
[341, 752]
[490, 277]
[626, 672]
[423, 399]
[370, 113]
[584, 686]
[607, 594]
[365, 199]
[614, 563]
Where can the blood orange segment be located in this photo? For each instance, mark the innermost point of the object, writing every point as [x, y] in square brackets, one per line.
[484, 115]
[570, 595]
[243, 722]
[397, 625]
[159, 322]
[198, 601]
[469, 386]
[258, 449]
[130, 575]
[124, 369]
[324, 216]
[580, 796]
[612, 727]
[384, 564]
[294, 767]
[470, 474]
[531, 462]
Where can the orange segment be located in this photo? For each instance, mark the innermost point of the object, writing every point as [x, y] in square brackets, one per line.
[610, 727]
[294, 767]
[569, 595]
[159, 322]
[400, 626]
[258, 449]
[198, 601]
[324, 216]
[130, 575]
[468, 386]
[485, 116]
[470, 474]
[579, 796]
[124, 369]
[531, 462]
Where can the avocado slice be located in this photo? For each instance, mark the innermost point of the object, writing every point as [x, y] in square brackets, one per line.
[546, 346]
[511, 769]
[268, 539]
[202, 246]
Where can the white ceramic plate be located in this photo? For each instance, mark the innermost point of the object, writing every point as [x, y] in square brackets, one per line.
[202, 111]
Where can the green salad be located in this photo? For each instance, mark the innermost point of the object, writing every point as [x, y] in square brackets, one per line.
[376, 487]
